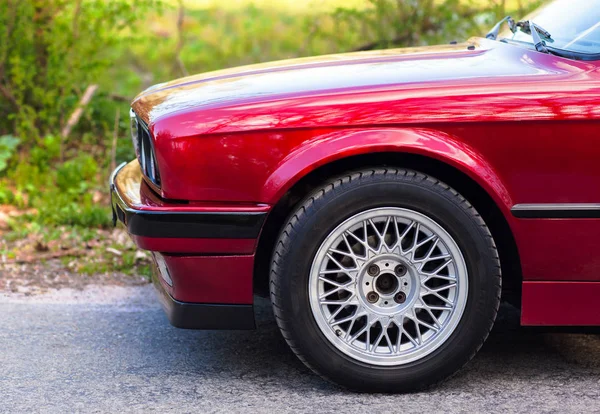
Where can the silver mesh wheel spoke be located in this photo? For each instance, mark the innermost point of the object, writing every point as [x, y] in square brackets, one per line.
[388, 286]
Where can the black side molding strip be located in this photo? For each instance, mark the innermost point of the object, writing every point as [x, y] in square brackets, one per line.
[556, 211]
[187, 315]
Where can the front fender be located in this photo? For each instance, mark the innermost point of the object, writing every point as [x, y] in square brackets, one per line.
[337, 145]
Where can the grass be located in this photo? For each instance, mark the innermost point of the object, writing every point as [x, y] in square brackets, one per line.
[84, 250]
[294, 6]
[300, 6]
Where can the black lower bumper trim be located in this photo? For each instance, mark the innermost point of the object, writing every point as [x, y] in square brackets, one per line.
[205, 315]
[191, 225]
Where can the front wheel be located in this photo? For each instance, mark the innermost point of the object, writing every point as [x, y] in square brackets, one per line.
[385, 280]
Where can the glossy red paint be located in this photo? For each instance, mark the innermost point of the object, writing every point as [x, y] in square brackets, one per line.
[142, 197]
[343, 143]
[559, 250]
[560, 304]
[195, 246]
[227, 149]
[522, 124]
[210, 279]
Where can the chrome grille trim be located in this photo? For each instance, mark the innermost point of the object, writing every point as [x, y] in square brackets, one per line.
[146, 155]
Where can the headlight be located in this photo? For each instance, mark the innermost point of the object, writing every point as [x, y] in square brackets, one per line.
[133, 122]
[144, 148]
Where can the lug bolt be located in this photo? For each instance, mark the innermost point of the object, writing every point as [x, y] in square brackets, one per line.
[400, 270]
[373, 270]
[372, 297]
[400, 297]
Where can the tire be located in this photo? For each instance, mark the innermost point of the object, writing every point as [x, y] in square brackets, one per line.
[397, 351]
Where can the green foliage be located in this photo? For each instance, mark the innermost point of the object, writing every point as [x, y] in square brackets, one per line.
[50, 51]
[7, 196]
[33, 175]
[396, 23]
[61, 209]
[73, 177]
[47, 151]
[8, 147]
[61, 193]
[69, 201]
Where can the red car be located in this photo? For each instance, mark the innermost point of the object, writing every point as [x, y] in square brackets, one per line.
[386, 201]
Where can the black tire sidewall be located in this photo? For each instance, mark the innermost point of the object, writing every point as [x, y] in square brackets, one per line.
[321, 216]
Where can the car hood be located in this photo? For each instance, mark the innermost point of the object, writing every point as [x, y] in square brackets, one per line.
[215, 97]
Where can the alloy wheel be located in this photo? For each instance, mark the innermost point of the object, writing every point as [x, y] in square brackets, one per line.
[388, 286]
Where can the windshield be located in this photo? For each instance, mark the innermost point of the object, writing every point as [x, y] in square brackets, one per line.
[574, 25]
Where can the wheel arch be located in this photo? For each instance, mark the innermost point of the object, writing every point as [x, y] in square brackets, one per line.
[487, 195]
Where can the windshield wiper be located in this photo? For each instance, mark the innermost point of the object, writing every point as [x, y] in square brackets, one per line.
[493, 34]
[538, 43]
[525, 26]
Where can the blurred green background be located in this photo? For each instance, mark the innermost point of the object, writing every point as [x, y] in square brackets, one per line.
[54, 181]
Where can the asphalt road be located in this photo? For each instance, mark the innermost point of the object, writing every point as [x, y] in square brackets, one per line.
[114, 351]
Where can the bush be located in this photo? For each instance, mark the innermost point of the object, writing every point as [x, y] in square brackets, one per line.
[74, 176]
[61, 193]
[50, 51]
[8, 147]
[398, 23]
[62, 209]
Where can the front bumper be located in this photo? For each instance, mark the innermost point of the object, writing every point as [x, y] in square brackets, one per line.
[188, 315]
[205, 252]
[146, 216]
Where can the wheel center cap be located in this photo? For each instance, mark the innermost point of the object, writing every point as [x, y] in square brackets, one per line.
[386, 283]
